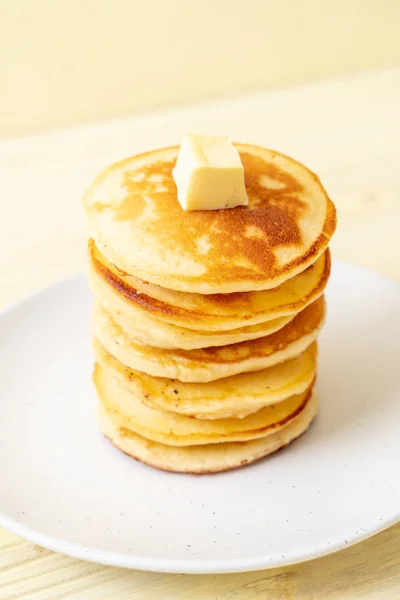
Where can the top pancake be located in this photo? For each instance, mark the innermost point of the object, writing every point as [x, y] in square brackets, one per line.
[138, 224]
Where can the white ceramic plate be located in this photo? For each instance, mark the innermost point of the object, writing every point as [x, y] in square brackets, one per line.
[65, 487]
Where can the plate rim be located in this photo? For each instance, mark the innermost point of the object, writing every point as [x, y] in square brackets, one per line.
[190, 566]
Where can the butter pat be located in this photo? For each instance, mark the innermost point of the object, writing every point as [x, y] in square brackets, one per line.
[209, 174]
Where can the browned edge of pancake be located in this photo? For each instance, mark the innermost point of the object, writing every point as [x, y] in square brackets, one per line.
[309, 320]
[160, 309]
[306, 323]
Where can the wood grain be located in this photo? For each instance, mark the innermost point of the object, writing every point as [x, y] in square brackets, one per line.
[353, 145]
[367, 571]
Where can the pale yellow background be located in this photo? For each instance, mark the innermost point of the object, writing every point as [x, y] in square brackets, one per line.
[70, 61]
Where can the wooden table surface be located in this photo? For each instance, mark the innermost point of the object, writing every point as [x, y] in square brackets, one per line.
[347, 130]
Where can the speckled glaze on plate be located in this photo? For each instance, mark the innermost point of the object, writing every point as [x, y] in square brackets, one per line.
[65, 487]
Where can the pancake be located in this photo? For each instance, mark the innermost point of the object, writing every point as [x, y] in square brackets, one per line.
[144, 328]
[204, 459]
[178, 430]
[212, 363]
[236, 396]
[218, 312]
[138, 224]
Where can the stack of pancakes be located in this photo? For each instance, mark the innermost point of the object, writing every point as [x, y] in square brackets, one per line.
[205, 322]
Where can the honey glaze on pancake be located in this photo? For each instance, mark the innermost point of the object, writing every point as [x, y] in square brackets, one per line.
[270, 219]
[138, 223]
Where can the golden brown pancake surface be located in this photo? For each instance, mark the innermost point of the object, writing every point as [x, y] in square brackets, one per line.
[139, 225]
